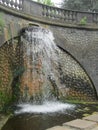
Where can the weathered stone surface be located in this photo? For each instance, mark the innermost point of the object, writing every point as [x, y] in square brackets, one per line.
[81, 124]
[93, 117]
[82, 44]
[95, 128]
[10, 64]
[59, 128]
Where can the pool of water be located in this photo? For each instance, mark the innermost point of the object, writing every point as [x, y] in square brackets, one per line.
[34, 117]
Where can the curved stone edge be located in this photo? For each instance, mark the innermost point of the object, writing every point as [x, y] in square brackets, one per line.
[46, 20]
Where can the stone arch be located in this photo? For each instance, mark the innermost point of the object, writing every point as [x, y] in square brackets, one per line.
[62, 41]
[93, 89]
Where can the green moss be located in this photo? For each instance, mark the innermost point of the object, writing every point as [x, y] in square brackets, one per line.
[4, 100]
[83, 21]
[86, 109]
[76, 100]
[80, 102]
[2, 22]
[85, 115]
[95, 112]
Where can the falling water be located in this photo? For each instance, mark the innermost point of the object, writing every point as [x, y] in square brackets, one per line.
[41, 62]
[40, 83]
[50, 74]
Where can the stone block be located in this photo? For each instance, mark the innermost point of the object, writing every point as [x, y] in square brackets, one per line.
[93, 118]
[81, 124]
[95, 128]
[59, 128]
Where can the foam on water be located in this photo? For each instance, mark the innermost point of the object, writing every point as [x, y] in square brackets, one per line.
[46, 107]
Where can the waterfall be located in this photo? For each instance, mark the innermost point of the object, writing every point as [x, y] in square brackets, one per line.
[40, 61]
[51, 73]
[40, 81]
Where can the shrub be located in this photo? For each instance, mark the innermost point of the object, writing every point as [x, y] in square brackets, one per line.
[83, 21]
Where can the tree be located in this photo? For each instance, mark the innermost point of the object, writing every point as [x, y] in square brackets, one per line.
[46, 2]
[82, 5]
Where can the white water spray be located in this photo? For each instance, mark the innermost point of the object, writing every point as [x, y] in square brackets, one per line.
[46, 107]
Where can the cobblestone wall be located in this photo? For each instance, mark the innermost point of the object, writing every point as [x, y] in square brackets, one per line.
[10, 69]
[83, 45]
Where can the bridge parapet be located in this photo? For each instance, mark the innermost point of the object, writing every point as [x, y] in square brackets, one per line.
[68, 16]
[58, 14]
[16, 4]
[50, 13]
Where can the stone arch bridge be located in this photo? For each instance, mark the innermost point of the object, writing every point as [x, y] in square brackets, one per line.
[74, 31]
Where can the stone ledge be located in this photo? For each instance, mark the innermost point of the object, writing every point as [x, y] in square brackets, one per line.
[81, 124]
[95, 128]
[59, 128]
[93, 118]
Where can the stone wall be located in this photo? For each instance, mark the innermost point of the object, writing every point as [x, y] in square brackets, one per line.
[10, 70]
[83, 46]
[11, 25]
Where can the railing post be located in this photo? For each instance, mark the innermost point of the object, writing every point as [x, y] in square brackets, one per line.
[7, 2]
[16, 4]
[20, 4]
[11, 3]
[76, 19]
[95, 18]
[44, 10]
[3, 1]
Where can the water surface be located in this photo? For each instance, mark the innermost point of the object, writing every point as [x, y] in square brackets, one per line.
[31, 120]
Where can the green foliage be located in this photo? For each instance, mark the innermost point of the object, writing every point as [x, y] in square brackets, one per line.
[77, 101]
[16, 91]
[83, 21]
[46, 2]
[82, 5]
[2, 22]
[4, 100]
